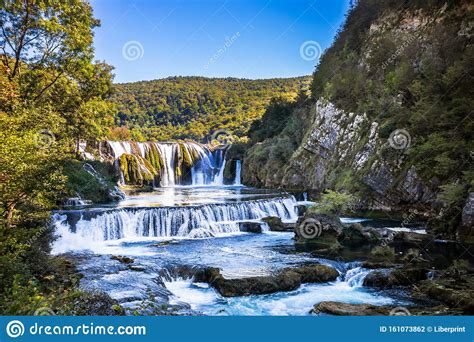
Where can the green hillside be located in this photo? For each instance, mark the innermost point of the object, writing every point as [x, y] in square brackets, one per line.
[194, 107]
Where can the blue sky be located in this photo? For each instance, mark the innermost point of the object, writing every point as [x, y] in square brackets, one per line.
[150, 39]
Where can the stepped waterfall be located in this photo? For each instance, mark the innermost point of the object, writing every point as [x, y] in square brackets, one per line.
[179, 221]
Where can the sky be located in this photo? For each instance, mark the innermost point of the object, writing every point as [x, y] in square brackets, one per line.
[152, 39]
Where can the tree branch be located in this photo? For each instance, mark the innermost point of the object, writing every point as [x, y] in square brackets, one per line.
[48, 86]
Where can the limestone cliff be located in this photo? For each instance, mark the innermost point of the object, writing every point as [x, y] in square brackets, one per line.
[389, 117]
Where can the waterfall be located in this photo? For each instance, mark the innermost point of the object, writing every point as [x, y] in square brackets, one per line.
[237, 180]
[305, 196]
[355, 276]
[184, 221]
[177, 163]
[167, 153]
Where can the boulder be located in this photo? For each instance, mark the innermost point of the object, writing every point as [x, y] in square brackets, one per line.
[384, 253]
[399, 277]
[318, 230]
[412, 238]
[316, 273]
[344, 309]
[276, 225]
[136, 268]
[457, 298]
[122, 259]
[355, 236]
[465, 231]
[287, 279]
[250, 227]
[453, 287]
[301, 209]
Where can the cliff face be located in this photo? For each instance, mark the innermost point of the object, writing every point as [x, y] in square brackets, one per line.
[347, 141]
[390, 116]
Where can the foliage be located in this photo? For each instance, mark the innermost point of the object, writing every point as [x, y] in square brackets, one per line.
[195, 107]
[80, 183]
[406, 80]
[52, 95]
[273, 121]
[334, 203]
[269, 156]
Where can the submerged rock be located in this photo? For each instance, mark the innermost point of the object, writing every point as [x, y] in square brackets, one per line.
[136, 268]
[412, 238]
[122, 259]
[200, 233]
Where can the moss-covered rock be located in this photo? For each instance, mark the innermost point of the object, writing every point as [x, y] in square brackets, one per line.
[137, 170]
[82, 184]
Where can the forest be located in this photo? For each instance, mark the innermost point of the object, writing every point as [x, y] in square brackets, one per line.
[194, 107]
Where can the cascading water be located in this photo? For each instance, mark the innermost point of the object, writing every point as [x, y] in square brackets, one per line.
[181, 221]
[238, 166]
[176, 163]
[192, 226]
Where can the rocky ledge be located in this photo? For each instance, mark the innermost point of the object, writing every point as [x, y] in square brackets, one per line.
[344, 309]
[288, 279]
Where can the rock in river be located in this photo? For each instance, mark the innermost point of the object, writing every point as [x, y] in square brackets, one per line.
[288, 279]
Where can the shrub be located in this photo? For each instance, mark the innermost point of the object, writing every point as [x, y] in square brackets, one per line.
[334, 203]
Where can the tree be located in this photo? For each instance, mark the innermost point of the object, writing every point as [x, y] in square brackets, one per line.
[47, 53]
